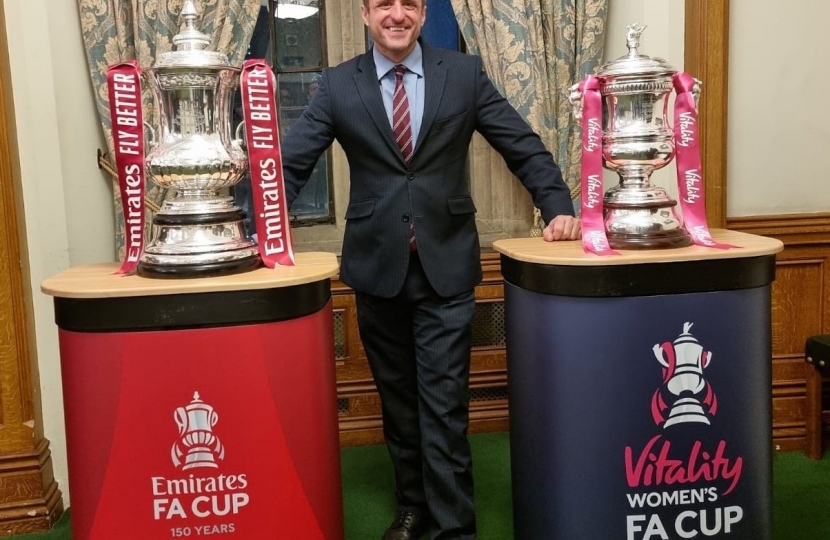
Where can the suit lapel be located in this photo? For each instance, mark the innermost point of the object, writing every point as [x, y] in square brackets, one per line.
[366, 80]
[435, 76]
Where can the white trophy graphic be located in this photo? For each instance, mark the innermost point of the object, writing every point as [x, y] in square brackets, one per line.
[197, 443]
[692, 397]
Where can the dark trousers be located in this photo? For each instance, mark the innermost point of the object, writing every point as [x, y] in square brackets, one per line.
[418, 346]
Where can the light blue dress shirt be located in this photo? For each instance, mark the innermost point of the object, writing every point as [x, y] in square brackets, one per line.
[413, 83]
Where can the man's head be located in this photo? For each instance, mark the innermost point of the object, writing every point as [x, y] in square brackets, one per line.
[394, 25]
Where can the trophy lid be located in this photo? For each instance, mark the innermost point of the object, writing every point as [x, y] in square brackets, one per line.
[635, 63]
[190, 45]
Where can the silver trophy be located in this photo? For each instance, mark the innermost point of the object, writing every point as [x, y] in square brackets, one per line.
[198, 231]
[637, 140]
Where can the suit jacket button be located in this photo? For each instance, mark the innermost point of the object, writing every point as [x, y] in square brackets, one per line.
[405, 218]
[411, 176]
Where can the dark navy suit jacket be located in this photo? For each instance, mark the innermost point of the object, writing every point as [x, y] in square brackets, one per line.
[386, 193]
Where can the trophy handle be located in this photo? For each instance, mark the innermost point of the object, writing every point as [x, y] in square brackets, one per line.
[658, 353]
[150, 132]
[180, 416]
[575, 97]
[238, 135]
[696, 89]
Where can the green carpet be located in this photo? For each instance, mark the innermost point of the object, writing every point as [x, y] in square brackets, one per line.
[801, 494]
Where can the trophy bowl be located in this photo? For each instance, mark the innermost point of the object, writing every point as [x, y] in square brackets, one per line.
[636, 141]
[198, 231]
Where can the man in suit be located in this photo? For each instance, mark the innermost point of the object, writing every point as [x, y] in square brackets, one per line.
[411, 249]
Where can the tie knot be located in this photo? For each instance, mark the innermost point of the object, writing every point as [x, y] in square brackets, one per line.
[400, 69]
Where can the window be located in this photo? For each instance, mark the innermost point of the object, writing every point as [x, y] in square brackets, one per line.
[298, 58]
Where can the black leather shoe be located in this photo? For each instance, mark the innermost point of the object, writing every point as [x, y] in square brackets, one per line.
[408, 525]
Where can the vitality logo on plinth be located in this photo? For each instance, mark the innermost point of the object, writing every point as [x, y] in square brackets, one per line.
[196, 491]
[679, 478]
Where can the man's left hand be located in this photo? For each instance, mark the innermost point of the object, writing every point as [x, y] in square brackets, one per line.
[563, 227]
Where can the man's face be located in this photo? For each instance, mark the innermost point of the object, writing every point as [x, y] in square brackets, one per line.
[394, 24]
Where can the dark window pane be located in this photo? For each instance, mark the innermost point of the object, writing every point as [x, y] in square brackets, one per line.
[296, 89]
[298, 42]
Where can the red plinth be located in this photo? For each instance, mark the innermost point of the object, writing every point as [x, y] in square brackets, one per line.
[227, 432]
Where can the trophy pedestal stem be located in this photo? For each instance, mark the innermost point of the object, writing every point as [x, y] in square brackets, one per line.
[198, 245]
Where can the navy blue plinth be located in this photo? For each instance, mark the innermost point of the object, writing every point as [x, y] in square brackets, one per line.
[609, 443]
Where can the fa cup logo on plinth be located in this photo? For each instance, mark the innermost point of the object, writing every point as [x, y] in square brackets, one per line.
[196, 443]
[691, 396]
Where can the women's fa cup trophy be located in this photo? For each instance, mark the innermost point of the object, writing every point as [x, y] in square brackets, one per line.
[636, 139]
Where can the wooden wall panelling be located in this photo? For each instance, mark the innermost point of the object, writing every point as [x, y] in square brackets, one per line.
[799, 295]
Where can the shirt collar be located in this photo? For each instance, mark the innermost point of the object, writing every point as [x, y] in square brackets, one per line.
[414, 62]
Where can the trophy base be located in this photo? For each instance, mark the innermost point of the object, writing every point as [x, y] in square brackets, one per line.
[150, 270]
[676, 238]
[686, 410]
[198, 245]
[643, 217]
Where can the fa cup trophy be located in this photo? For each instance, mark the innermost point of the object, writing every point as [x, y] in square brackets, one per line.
[636, 140]
[198, 231]
[195, 423]
[684, 361]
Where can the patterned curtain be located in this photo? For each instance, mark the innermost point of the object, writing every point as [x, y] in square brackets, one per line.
[534, 50]
[119, 30]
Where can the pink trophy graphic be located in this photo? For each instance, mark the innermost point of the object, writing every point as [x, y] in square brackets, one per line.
[683, 363]
[195, 422]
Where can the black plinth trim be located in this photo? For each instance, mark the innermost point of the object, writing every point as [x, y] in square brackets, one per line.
[198, 219]
[640, 279]
[196, 310]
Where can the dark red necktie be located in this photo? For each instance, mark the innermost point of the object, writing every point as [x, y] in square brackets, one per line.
[401, 122]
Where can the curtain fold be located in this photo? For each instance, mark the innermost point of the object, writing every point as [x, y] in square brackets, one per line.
[119, 30]
[534, 50]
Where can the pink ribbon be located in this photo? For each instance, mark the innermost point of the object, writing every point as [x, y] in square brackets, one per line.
[689, 169]
[124, 88]
[593, 224]
[265, 160]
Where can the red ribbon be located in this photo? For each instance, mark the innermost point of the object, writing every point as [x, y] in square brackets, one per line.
[265, 160]
[689, 169]
[124, 87]
[593, 223]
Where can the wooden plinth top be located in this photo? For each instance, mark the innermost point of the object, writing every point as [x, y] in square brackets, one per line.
[100, 280]
[536, 250]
